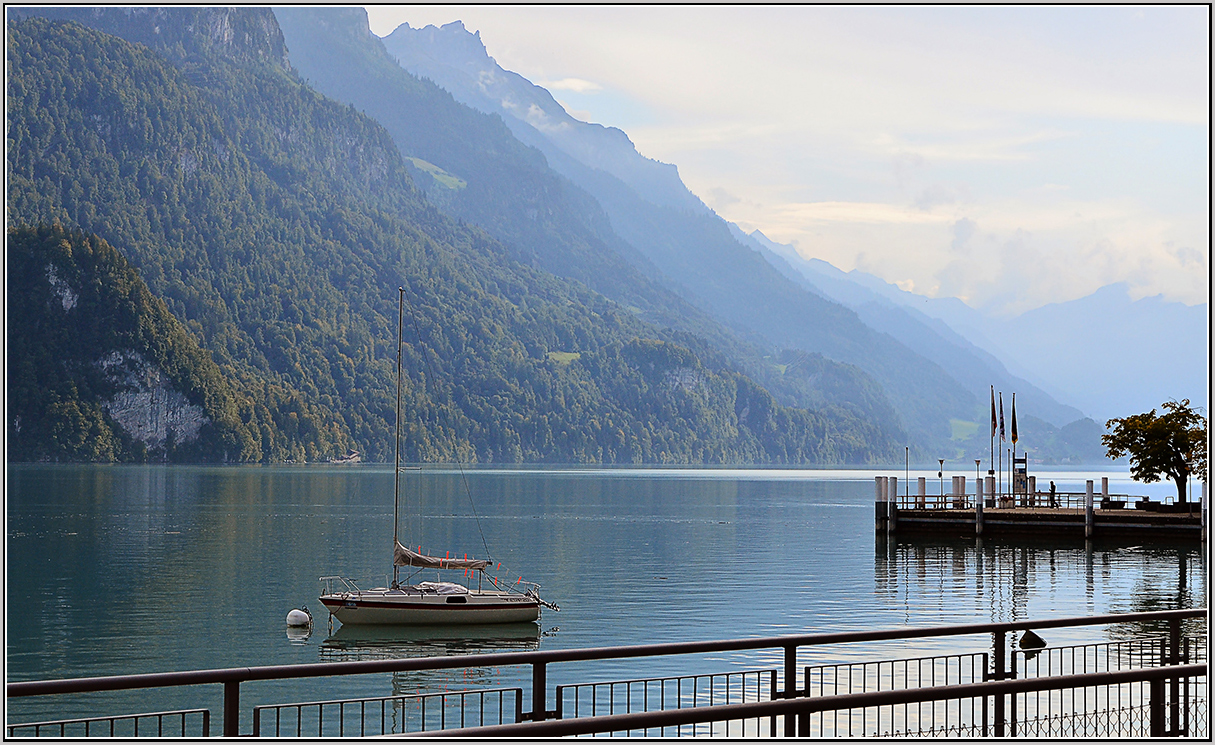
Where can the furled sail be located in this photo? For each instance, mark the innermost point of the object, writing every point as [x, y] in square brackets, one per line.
[403, 557]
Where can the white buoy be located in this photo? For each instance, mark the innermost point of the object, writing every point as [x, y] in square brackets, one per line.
[297, 617]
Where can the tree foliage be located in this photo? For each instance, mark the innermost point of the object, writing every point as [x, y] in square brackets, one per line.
[1172, 445]
[275, 225]
[72, 300]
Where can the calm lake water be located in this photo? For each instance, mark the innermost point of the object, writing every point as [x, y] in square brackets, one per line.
[119, 570]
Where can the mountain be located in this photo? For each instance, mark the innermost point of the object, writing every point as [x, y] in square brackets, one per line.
[936, 377]
[489, 178]
[1108, 354]
[99, 370]
[1112, 355]
[974, 367]
[276, 226]
[457, 60]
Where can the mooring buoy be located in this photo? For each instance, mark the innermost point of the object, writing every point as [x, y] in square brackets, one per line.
[299, 617]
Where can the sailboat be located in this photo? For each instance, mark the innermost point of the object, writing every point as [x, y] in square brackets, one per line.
[429, 603]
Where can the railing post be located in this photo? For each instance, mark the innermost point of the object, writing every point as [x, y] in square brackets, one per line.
[539, 692]
[1156, 707]
[790, 685]
[998, 674]
[1175, 683]
[232, 708]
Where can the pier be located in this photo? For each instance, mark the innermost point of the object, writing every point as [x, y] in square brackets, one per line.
[984, 512]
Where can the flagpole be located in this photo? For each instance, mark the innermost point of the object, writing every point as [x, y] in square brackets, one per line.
[1012, 467]
[991, 463]
[1001, 477]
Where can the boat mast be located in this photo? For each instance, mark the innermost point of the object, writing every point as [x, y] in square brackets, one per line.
[396, 471]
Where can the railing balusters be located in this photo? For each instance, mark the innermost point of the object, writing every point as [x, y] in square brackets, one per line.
[1024, 711]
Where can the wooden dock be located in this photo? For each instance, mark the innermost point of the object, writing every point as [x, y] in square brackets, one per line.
[1087, 515]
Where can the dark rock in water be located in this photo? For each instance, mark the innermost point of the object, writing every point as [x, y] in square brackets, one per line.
[1030, 640]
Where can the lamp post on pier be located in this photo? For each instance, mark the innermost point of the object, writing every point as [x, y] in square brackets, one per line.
[941, 476]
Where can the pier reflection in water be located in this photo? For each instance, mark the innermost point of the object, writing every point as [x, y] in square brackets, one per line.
[1022, 578]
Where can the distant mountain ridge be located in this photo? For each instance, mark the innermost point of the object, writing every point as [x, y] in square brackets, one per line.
[457, 60]
[1110, 355]
[546, 220]
[682, 237]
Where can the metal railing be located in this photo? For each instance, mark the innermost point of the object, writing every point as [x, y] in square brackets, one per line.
[232, 678]
[1039, 500]
[950, 717]
[126, 725]
[674, 692]
[799, 709]
[386, 715]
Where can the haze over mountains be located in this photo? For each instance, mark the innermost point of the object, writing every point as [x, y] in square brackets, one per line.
[1051, 347]
[604, 312]
[1105, 353]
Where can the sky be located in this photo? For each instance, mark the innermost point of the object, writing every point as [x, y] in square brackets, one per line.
[1011, 157]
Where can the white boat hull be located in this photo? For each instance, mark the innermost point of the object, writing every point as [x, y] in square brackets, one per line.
[397, 607]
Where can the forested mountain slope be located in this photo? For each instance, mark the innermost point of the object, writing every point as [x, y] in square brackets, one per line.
[477, 170]
[692, 249]
[277, 225]
[98, 367]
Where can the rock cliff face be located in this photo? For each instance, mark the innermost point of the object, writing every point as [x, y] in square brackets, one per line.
[146, 406]
[99, 369]
[247, 34]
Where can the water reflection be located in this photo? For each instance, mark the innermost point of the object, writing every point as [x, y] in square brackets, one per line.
[1006, 580]
[356, 642]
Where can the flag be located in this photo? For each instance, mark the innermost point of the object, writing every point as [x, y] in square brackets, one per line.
[1001, 416]
[993, 412]
[1014, 419]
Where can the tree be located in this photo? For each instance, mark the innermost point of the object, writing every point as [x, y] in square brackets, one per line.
[1173, 444]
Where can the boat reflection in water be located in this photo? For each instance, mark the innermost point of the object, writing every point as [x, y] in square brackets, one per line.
[357, 642]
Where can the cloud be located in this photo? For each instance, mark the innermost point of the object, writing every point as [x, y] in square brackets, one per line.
[575, 85]
[934, 196]
[963, 231]
[719, 199]
[940, 146]
[855, 212]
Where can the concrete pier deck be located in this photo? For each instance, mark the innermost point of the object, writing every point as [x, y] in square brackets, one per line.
[987, 512]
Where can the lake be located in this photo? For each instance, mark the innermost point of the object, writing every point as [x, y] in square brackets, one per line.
[134, 569]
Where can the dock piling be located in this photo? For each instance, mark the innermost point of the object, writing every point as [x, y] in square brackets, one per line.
[922, 493]
[978, 508]
[892, 504]
[1088, 507]
[880, 511]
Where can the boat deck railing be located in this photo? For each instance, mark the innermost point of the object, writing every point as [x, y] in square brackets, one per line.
[1156, 689]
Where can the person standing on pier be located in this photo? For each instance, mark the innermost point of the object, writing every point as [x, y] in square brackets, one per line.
[1053, 501]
